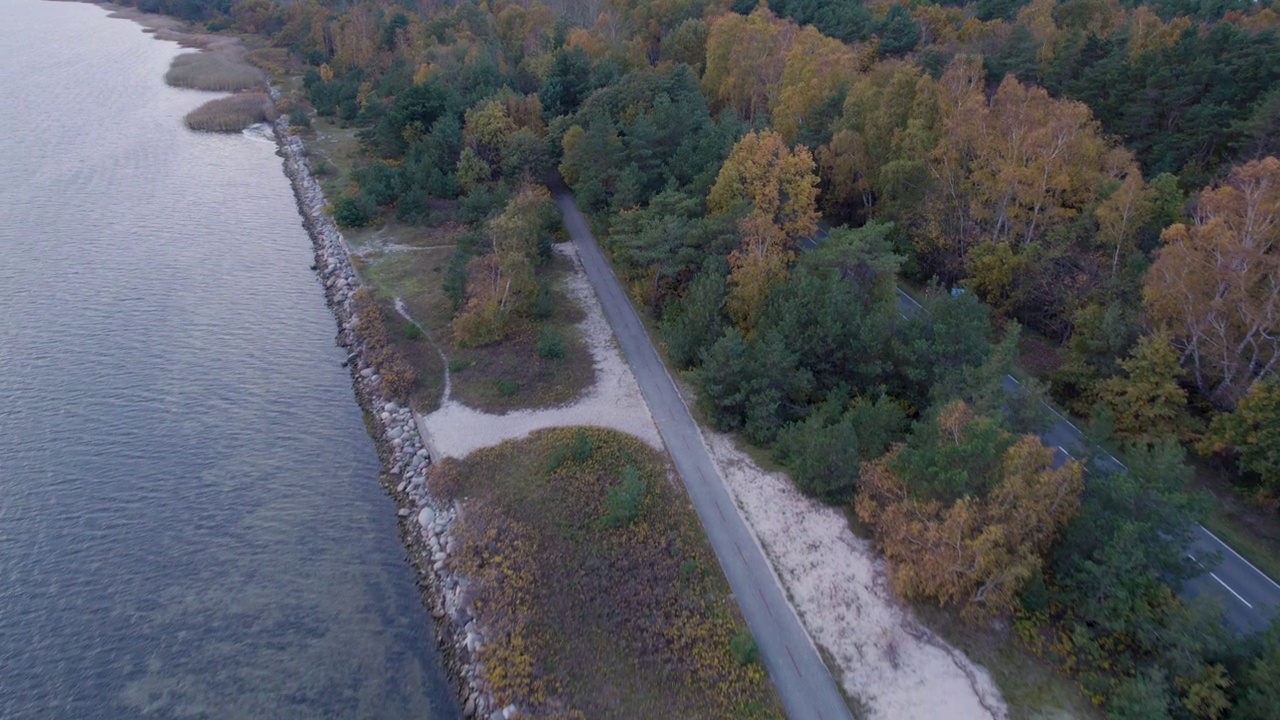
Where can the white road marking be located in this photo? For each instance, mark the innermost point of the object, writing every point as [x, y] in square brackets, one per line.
[1122, 466]
[910, 299]
[1233, 552]
[1228, 587]
[1215, 577]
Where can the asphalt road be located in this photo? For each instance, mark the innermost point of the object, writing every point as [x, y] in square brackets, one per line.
[1249, 599]
[802, 680]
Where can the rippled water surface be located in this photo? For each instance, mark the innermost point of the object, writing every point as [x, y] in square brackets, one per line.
[190, 524]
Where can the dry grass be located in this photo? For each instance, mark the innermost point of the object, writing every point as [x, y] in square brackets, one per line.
[216, 71]
[232, 114]
[600, 603]
[273, 60]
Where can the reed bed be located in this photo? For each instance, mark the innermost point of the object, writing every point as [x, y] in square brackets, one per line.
[232, 114]
[213, 71]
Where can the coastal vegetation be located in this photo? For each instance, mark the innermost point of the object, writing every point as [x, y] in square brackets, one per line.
[1094, 180]
[590, 568]
[233, 113]
[213, 71]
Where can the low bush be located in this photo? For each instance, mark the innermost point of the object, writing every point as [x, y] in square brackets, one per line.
[622, 501]
[743, 648]
[507, 388]
[351, 211]
[213, 71]
[232, 114]
[412, 331]
[550, 344]
[582, 446]
[544, 305]
[298, 116]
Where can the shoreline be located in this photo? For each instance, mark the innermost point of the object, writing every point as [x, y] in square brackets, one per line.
[398, 432]
[424, 521]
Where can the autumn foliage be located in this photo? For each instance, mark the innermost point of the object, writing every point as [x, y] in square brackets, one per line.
[500, 284]
[1215, 283]
[398, 377]
[775, 186]
[978, 551]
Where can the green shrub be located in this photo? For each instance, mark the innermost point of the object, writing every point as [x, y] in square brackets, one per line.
[298, 117]
[459, 365]
[743, 648]
[582, 446]
[622, 501]
[507, 388]
[412, 331]
[550, 344]
[557, 457]
[544, 303]
[350, 212]
[380, 182]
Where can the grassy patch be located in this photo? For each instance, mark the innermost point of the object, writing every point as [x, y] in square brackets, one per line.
[601, 594]
[1031, 687]
[232, 114]
[213, 71]
[415, 278]
[275, 61]
[540, 379]
[339, 149]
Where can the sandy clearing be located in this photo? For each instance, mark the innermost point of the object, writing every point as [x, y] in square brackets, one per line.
[614, 401]
[838, 585]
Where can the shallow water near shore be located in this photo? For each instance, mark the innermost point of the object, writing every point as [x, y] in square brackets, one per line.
[190, 522]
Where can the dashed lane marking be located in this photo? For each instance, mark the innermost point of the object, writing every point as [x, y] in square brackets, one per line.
[1228, 587]
[1233, 552]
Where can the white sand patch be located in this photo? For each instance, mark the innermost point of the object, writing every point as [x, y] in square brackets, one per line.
[614, 401]
[839, 588]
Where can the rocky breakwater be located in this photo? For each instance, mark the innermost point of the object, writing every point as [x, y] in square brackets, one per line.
[425, 521]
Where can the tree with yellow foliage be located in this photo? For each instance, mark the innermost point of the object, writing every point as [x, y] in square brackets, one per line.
[770, 180]
[978, 550]
[777, 189]
[1215, 283]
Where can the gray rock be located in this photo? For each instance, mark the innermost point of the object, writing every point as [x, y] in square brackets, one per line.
[366, 373]
[403, 512]
[426, 516]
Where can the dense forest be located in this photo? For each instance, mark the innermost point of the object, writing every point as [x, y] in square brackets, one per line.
[1098, 176]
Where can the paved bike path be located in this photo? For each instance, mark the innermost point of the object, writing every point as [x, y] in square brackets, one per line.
[802, 680]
